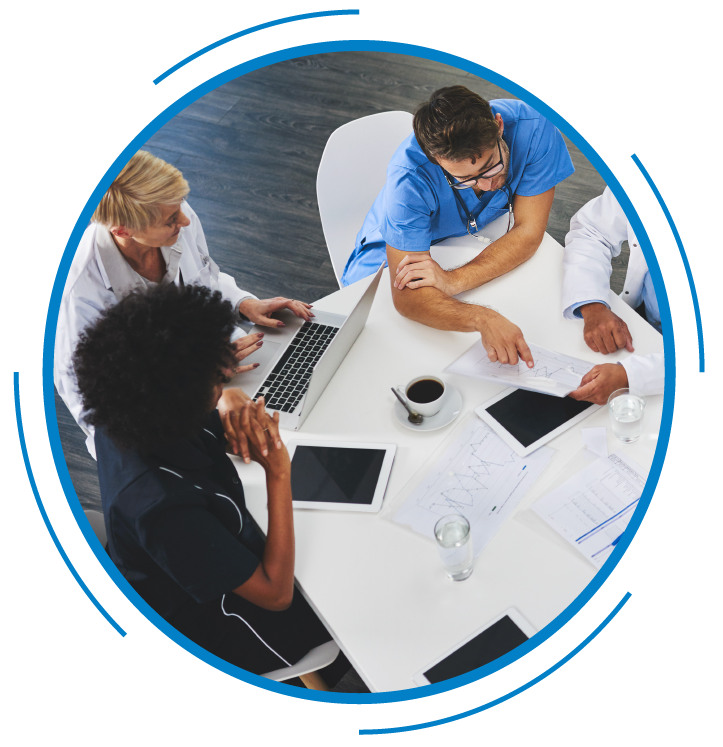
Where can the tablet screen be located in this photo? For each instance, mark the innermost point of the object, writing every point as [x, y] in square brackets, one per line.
[326, 474]
[490, 644]
[529, 416]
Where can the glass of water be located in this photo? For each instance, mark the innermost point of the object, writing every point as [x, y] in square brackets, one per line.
[454, 542]
[626, 414]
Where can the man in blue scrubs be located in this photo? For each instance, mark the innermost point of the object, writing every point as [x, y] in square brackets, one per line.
[465, 164]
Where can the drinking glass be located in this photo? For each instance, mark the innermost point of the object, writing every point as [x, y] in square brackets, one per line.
[454, 542]
[626, 409]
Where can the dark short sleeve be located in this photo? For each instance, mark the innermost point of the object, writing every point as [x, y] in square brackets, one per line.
[196, 550]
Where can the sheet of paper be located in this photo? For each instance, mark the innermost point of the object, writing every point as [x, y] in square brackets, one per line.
[596, 440]
[553, 373]
[478, 476]
[592, 509]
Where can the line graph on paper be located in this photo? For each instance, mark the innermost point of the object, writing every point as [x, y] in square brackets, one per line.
[478, 476]
[552, 372]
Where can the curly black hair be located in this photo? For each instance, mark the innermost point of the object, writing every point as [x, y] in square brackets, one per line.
[147, 368]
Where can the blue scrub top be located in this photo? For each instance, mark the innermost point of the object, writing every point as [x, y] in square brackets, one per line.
[417, 208]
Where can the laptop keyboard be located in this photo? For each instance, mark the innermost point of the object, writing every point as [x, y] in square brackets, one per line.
[287, 383]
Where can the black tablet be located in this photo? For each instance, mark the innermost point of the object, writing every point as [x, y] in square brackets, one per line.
[526, 420]
[497, 638]
[340, 476]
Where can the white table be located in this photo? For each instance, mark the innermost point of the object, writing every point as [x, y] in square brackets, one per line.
[379, 586]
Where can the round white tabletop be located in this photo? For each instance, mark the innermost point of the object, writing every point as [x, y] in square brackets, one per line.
[378, 586]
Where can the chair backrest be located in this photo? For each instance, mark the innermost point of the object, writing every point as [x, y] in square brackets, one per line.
[352, 171]
[316, 659]
[97, 523]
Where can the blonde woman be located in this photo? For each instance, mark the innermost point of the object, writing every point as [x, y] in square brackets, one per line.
[144, 233]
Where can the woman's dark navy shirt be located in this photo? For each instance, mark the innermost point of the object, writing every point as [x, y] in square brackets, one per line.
[177, 523]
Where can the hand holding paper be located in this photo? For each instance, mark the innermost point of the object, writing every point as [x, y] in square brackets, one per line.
[553, 373]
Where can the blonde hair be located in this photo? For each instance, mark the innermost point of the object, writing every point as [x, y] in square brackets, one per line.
[138, 193]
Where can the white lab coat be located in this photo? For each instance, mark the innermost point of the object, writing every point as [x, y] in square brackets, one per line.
[88, 291]
[597, 232]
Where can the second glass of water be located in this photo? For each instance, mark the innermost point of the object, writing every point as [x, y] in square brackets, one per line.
[454, 542]
[626, 414]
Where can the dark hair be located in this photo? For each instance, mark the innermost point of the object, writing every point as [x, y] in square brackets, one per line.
[147, 367]
[455, 124]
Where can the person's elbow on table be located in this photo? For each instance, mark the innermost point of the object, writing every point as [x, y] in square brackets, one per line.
[404, 303]
[263, 592]
[418, 270]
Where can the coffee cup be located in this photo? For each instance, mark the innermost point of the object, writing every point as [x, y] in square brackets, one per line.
[426, 395]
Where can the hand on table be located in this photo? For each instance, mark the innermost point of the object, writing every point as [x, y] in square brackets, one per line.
[605, 332]
[419, 270]
[600, 382]
[259, 310]
[503, 340]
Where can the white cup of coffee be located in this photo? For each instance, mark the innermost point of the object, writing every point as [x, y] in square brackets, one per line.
[426, 395]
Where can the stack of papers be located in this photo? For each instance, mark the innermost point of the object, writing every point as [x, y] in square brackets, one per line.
[553, 373]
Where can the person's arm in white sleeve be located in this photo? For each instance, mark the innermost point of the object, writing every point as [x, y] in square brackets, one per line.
[596, 234]
[73, 318]
[646, 373]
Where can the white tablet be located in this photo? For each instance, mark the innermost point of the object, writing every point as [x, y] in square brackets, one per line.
[526, 420]
[497, 638]
[340, 476]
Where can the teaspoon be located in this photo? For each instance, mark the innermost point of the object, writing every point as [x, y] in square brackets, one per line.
[414, 417]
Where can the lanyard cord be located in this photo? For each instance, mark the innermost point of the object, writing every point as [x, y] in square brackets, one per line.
[471, 222]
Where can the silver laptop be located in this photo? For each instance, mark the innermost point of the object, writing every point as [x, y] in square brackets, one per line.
[297, 361]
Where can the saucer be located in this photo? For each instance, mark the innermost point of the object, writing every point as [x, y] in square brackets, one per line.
[450, 409]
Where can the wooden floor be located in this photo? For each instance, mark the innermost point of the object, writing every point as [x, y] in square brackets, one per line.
[250, 152]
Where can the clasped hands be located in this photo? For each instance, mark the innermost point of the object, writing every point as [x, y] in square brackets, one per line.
[250, 431]
[259, 312]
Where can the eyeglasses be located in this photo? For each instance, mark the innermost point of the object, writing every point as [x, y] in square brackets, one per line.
[487, 174]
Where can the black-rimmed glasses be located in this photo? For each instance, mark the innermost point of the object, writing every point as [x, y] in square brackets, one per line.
[487, 174]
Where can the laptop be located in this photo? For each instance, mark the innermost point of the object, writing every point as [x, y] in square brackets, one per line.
[297, 361]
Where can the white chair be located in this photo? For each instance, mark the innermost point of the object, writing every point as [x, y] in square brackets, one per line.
[352, 171]
[97, 523]
[305, 668]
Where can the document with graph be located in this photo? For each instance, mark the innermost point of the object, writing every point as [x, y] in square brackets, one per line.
[478, 476]
[592, 509]
[553, 373]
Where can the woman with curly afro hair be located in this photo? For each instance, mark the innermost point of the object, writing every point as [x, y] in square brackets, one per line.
[150, 372]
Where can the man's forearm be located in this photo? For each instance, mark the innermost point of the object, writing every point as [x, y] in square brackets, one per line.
[501, 256]
[434, 308]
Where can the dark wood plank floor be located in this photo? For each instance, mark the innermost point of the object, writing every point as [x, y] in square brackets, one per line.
[250, 151]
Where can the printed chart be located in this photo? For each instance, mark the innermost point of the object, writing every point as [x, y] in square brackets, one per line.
[478, 476]
[553, 373]
[592, 509]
